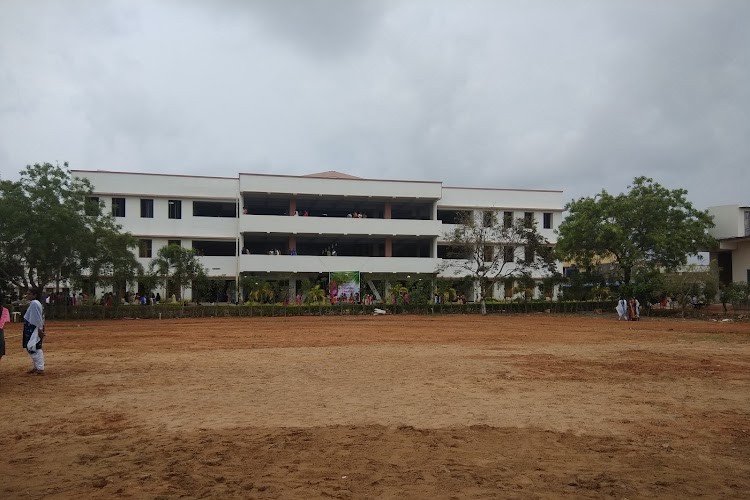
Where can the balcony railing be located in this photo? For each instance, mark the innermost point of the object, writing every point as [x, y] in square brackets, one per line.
[323, 264]
[338, 225]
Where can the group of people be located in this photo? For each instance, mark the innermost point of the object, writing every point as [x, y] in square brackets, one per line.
[439, 299]
[273, 251]
[33, 331]
[66, 298]
[628, 309]
[343, 298]
[143, 299]
[304, 213]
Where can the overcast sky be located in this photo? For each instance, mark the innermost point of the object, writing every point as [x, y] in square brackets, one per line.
[574, 95]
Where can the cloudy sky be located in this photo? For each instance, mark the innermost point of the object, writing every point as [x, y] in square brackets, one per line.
[575, 95]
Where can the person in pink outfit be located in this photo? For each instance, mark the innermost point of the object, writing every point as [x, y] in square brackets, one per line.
[4, 318]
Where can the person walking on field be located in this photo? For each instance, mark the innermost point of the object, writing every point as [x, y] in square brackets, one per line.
[4, 318]
[33, 332]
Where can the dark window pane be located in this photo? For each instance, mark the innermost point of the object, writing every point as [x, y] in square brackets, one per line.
[175, 209]
[118, 207]
[147, 208]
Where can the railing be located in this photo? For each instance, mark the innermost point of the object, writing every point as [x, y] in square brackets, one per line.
[282, 224]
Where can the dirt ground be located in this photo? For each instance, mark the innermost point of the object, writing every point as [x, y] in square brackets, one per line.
[535, 406]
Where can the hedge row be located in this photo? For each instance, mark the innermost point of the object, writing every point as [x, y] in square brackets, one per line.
[165, 311]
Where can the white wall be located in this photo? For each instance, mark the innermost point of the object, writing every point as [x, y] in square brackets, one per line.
[161, 225]
[500, 199]
[256, 183]
[160, 185]
[741, 261]
[728, 220]
[549, 234]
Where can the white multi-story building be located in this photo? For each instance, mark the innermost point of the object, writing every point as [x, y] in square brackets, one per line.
[283, 227]
[732, 230]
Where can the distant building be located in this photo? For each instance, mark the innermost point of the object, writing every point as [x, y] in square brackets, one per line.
[732, 230]
[287, 228]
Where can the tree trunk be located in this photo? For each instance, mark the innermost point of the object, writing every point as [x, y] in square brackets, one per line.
[483, 306]
[626, 271]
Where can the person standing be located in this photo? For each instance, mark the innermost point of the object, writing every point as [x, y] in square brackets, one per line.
[622, 309]
[634, 309]
[4, 318]
[33, 331]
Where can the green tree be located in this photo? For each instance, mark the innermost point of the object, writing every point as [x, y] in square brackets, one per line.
[51, 233]
[262, 292]
[203, 287]
[692, 281]
[737, 294]
[648, 227]
[491, 250]
[178, 266]
[420, 290]
[110, 260]
[315, 295]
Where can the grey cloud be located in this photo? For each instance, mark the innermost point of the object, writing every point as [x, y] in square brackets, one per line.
[574, 96]
[321, 28]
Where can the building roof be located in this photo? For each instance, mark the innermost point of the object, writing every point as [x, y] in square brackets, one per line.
[332, 174]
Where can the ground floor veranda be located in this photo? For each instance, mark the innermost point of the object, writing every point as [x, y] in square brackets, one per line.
[274, 287]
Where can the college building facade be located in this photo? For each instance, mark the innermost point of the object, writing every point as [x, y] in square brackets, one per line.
[283, 227]
[732, 231]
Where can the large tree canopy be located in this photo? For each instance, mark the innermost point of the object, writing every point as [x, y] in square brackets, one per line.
[649, 227]
[490, 250]
[50, 232]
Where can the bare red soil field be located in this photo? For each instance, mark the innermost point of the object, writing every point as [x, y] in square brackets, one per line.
[535, 406]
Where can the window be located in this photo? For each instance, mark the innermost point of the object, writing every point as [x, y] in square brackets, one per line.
[174, 242]
[147, 209]
[547, 220]
[215, 248]
[452, 252]
[528, 219]
[92, 206]
[144, 249]
[507, 220]
[118, 207]
[488, 253]
[508, 286]
[214, 209]
[508, 254]
[528, 254]
[488, 219]
[453, 216]
[175, 209]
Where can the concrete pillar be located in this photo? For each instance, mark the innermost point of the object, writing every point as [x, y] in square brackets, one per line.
[292, 242]
[387, 210]
[388, 247]
[292, 206]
